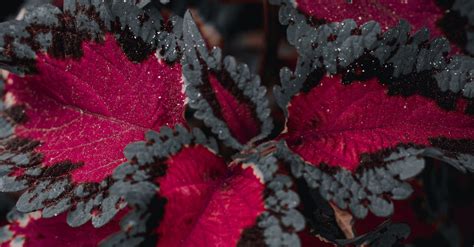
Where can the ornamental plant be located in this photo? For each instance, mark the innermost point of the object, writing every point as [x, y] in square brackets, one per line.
[122, 124]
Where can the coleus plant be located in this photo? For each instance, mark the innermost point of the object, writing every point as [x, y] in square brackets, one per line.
[118, 113]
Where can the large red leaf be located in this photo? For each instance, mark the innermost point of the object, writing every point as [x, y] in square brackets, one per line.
[207, 202]
[193, 197]
[419, 13]
[32, 230]
[87, 110]
[335, 123]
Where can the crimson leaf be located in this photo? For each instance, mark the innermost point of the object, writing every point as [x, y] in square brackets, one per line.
[65, 125]
[412, 77]
[205, 200]
[209, 203]
[337, 124]
[395, 59]
[223, 93]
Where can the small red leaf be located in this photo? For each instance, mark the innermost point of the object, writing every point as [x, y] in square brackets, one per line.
[335, 123]
[225, 95]
[207, 202]
[87, 110]
[238, 116]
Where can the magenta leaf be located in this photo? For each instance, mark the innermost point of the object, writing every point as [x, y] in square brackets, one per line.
[392, 58]
[208, 204]
[96, 87]
[382, 143]
[425, 108]
[337, 124]
[64, 98]
[205, 199]
[33, 230]
[224, 94]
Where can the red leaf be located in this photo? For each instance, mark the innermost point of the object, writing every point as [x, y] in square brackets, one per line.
[225, 95]
[335, 123]
[207, 202]
[32, 230]
[238, 116]
[419, 13]
[87, 110]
